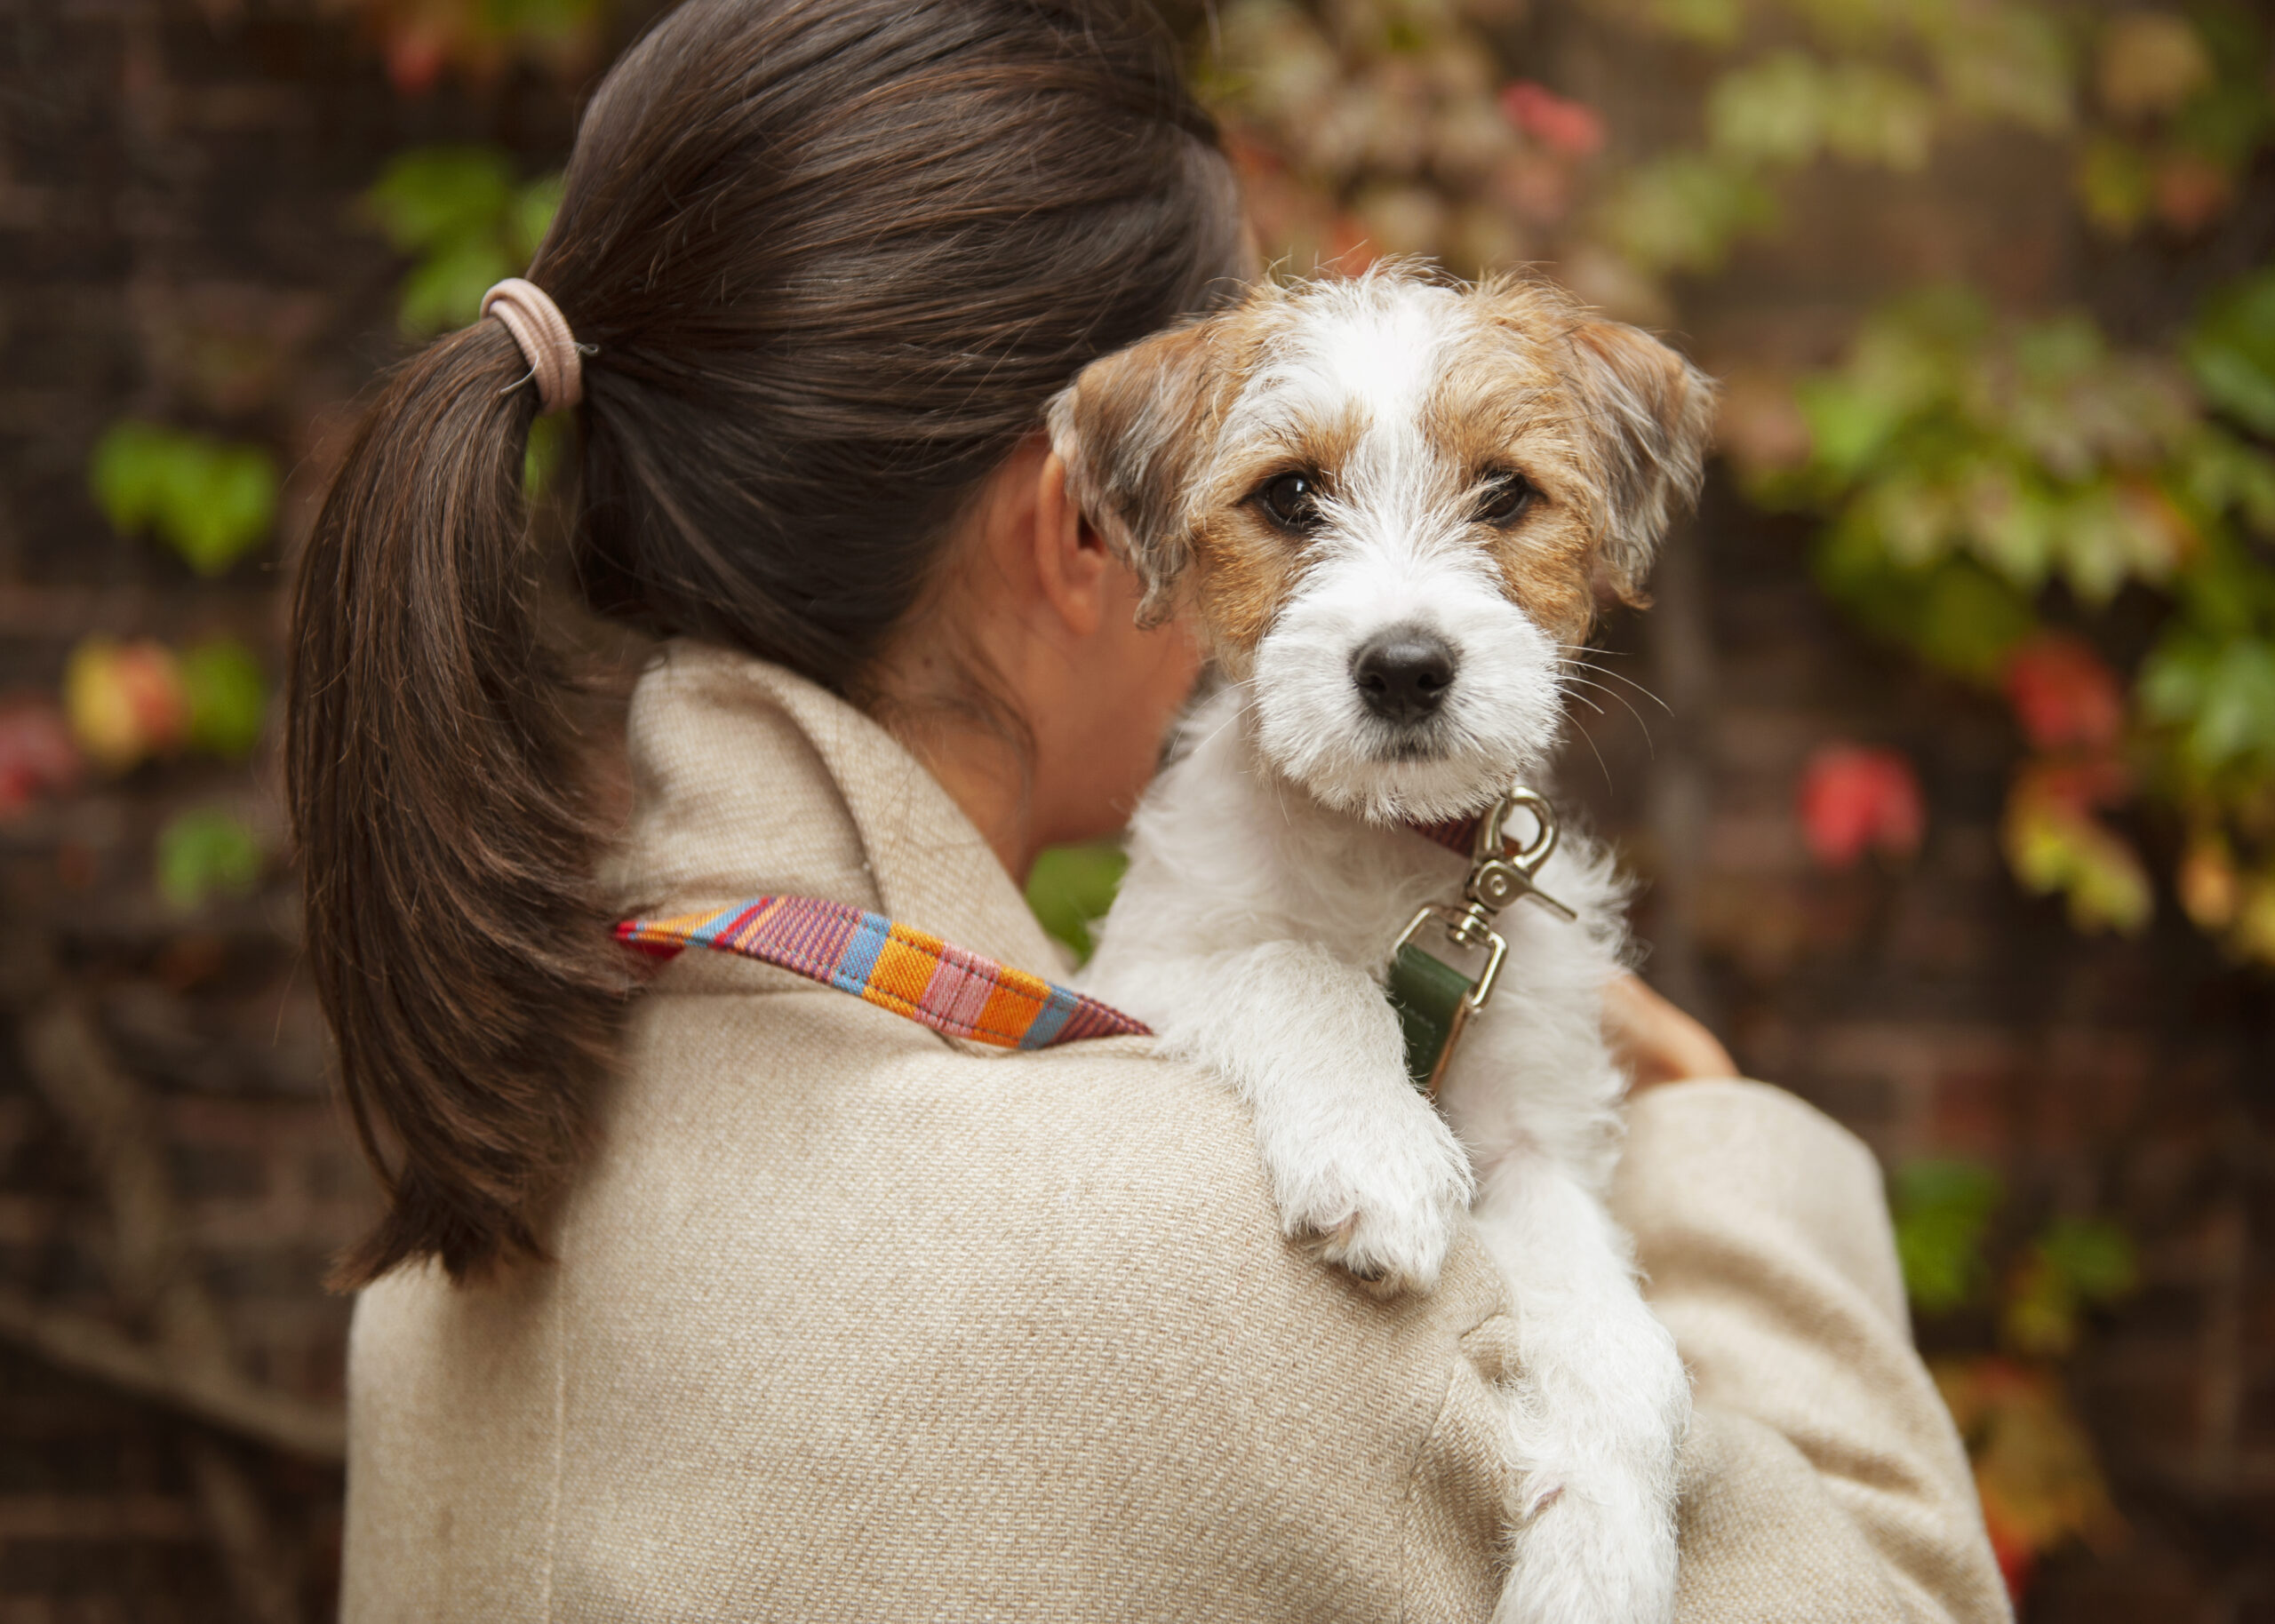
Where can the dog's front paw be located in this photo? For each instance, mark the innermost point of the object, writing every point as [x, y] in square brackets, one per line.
[1599, 1418]
[1381, 1203]
[1589, 1553]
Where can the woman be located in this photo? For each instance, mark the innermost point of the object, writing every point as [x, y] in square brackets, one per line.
[746, 1298]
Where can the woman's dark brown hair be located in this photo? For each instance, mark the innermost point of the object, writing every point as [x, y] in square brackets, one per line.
[832, 257]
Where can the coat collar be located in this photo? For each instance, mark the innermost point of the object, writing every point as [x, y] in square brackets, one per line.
[748, 779]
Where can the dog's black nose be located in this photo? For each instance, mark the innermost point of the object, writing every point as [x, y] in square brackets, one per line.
[1404, 674]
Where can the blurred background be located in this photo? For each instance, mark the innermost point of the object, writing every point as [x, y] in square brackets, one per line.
[1945, 760]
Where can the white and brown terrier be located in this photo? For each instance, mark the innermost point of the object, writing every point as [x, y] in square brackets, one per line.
[1390, 503]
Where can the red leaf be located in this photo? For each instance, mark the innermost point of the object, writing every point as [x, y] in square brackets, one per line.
[2192, 191]
[1572, 128]
[416, 56]
[2017, 1558]
[1854, 798]
[36, 754]
[2063, 694]
[124, 701]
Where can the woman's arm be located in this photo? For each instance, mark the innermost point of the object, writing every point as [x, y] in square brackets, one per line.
[1823, 1479]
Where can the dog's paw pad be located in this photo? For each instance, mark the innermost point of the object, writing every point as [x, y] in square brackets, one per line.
[1537, 1500]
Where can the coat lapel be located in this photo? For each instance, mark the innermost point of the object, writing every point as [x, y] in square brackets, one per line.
[748, 779]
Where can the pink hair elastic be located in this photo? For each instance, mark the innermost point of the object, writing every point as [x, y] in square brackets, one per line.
[539, 327]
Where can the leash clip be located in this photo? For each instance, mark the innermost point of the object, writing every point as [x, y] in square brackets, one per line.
[1501, 871]
[1434, 1001]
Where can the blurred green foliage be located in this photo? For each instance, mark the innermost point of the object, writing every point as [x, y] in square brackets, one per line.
[1982, 478]
[204, 853]
[466, 222]
[1945, 1210]
[1071, 887]
[2074, 1264]
[228, 697]
[211, 501]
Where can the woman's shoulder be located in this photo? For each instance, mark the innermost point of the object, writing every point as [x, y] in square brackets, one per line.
[1042, 1295]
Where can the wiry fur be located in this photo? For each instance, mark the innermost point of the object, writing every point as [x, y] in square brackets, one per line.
[1270, 874]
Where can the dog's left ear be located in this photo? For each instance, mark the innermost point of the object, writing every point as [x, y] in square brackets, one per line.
[1133, 429]
[1651, 415]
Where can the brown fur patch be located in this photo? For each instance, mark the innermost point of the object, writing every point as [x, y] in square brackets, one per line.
[1503, 405]
[1245, 566]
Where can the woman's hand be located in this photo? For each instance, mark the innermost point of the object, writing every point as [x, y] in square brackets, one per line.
[1658, 1042]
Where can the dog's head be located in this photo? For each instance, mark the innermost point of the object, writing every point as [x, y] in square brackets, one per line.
[1392, 503]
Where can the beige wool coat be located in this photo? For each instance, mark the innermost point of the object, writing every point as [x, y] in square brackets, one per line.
[847, 1320]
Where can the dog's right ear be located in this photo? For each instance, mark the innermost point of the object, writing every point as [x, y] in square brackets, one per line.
[1134, 429]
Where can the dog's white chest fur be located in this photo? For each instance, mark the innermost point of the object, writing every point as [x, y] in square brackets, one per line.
[1251, 933]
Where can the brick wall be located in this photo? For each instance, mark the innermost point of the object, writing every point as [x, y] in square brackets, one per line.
[177, 239]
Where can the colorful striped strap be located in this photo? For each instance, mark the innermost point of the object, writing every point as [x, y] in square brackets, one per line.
[906, 971]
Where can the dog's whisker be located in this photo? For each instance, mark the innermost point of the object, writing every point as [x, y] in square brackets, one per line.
[1605, 670]
[1603, 764]
[1641, 724]
[1609, 693]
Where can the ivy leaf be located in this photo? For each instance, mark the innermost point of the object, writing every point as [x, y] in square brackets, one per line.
[228, 697]
[37, 756]
[2095, 1255]
[206, 852]
[1954, 614]
[2230, 352]
[1682, 212]
[443, 290]
[1071, 886]
[459, 211]
[1772, 111]
[2220, 473]
[2075, 1263]
[2034, 1465]
[131, 473]
[2150, 62]
[1941, 1211]
[2063, 694]
[2221, 695]
[1871, 114]
[2056, 845]
[224, 506]
[211, 501]
[124, 701]
[1852, 799]
[1710, 22]
[2117, 183]
[1849, 423]
[534, 207]
[440, 196]
[2009, 62]
[2207, 882]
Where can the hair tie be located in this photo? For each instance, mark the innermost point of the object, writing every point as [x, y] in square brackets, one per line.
[542, 332]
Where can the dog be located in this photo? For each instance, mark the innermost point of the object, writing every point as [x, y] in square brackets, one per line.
[1392, 503]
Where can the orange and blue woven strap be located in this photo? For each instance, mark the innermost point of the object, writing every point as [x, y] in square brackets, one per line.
[909, 972]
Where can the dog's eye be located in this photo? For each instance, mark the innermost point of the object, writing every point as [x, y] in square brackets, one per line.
[1292, 501]
[1506, 498]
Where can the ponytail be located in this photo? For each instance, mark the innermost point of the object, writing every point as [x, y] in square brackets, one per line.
[433, 778]
[834, 259]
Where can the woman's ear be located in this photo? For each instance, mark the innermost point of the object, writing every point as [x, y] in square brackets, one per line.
[1651, 415]
[1071, 560]
[1134, 429]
